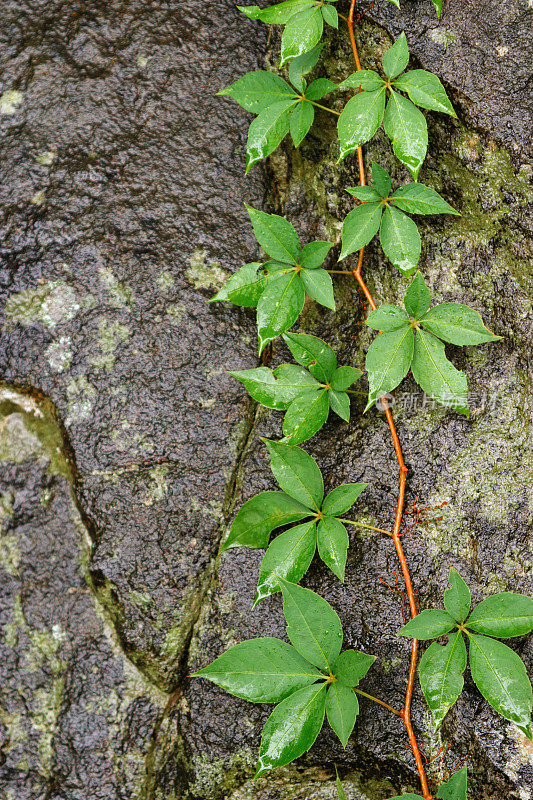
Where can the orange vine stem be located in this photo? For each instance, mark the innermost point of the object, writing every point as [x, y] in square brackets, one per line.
[405, 713]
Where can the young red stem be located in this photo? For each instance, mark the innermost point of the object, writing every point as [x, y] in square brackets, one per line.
[406, 711]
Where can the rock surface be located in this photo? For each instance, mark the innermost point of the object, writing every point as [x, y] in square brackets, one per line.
[125, 447]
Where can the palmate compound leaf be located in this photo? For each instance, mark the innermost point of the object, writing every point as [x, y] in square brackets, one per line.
[313, 353]
[303, 65]
[264, 670]
[275, 388]
[503, 615]
[396, 58]
[406, 127]
[313, 627]
[302, 32]
[387, 318]
[292, 728]
[457, 324]
[300, 121]
[457, 598]
[332, 540]
[297, 473]
[367, 79]
[417, 297]
[259, 516]
[454, 788]
[400, 239]
[359, 227]
[388, 361]
[257, 91]
[416, 198]
[314, 254]
[319, 286]
[501, 677]
[288, 556]
[436, 376]
[267, 131]
[276, 235]
[351, 666]
[342, 709]
[426, 90]
[306, 415]
[441, 675]
[244, 288]
[278, 14]
[279, 307]
[341, 499]
[381, 180]
[428, 624]
[360, 119]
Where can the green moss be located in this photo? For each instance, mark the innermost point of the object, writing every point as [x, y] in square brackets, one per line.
[50, 304]
[110, 335]
[120, 293]
[10, 101]
[165, 281]
[59, 354]
[80, 399]
[204, 275]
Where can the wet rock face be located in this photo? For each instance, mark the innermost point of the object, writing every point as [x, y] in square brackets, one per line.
[125, 447]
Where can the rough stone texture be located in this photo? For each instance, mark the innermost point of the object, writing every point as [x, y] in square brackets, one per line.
[124, 445]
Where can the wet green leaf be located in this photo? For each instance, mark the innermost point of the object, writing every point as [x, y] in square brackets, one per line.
[344, 377]
[359, 227]
[276, 235]
[262, 670]
[339, 402]
[314, 254]
[303, 65]
[306, 415]
[457, 598]
[441, 675]
[457, 324]
[288, 556]
[436, 376]
[244, 288]
[341, 499]
[367, 194]
[417, 297]
[501, 677]
[387, 318]
[388, 361]
[340, 791]
[360, 119]
[351, 667]
[257, 91]
[406, 127]
[342, 709]
[302, 32]
[503, 615]
[319, 88]
[333, 542]
[426, 90]
[396, 58]
[259, 516]
[313, 626]
[381, 180]
[319, 286]
[279, 307]
[278, 14]
[292, 728]
[292, 379]
[262, 385]
[300, 122]
[428, 624]
[313, 353]
[400, 240]
[454, 788]
[297, 473]
[367, 79]
[438, 6]
[416, 198]
[330, 15]
[267, 131]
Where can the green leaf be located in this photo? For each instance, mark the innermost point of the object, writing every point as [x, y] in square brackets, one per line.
[396, 58]
[428, 624]
[302, 32]
[409, 795]
[313, 353]
[292, 728]
[306, 415]
[252, 12]
[367, 79]
[288, 556]
[503, 615]
[436, 376]
[330, 15]
[426, 90]
[400, 240]
[359, 227]
[388, 361]
[457, 599]
[314, 254]
[313, 626]
[262, 385]
[457, 324]
[276, 235]
[303, 65]
[351, 667]
[333, 542]
[344, 377]
[360, 119]
[438, 6]
[367, 194]
[454, 788]
[406, 127]
[267, 130]
[297, 473]
[441, 675]
[279, 307]
[243, 288]
[341, 499]
[292, 379]
[256, 91]
[342, 709]
[340, 791]
[319, 286]
[419, 199]
[319, 88]
[417, 297]
[339, 402]
[262, 670]
[381, 180]
[300, 122]
[387, 318]
[259, 516]
[501, 677]
[281, 13]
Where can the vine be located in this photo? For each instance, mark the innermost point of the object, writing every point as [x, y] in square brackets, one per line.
[313, 677]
